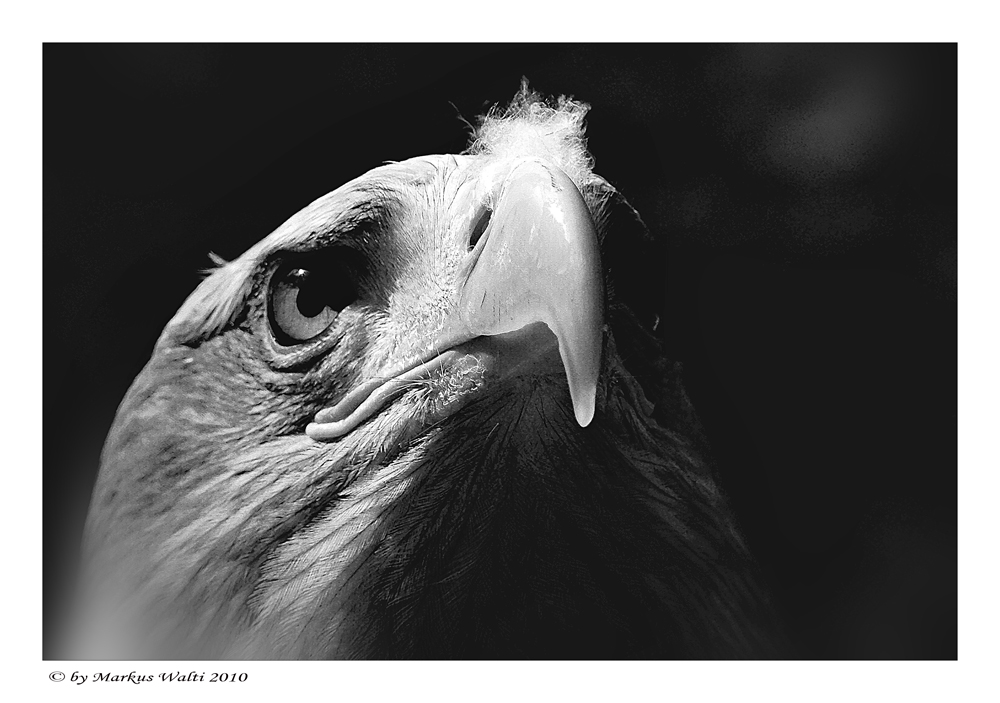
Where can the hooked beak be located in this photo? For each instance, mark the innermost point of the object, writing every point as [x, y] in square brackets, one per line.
[537, 261]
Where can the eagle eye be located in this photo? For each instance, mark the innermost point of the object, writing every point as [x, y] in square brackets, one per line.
[305, 298]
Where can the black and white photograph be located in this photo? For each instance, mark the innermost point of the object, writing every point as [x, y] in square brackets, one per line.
[498, 352]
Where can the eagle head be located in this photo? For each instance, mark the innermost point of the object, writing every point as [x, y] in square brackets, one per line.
[420, 419]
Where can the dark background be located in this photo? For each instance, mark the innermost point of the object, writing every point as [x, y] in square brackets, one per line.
[804, 199]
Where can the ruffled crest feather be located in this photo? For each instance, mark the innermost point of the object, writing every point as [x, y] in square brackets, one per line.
[533, 124]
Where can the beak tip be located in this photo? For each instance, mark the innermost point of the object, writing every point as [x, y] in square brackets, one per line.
[583, 408]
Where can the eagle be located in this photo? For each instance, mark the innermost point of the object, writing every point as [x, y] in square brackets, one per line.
[426, 418]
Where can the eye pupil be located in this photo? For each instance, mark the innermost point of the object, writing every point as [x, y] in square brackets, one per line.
[310, 299]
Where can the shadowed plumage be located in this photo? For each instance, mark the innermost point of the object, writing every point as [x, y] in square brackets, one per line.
[424, 418]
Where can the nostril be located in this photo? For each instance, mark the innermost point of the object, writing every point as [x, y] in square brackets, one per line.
[481, 225]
